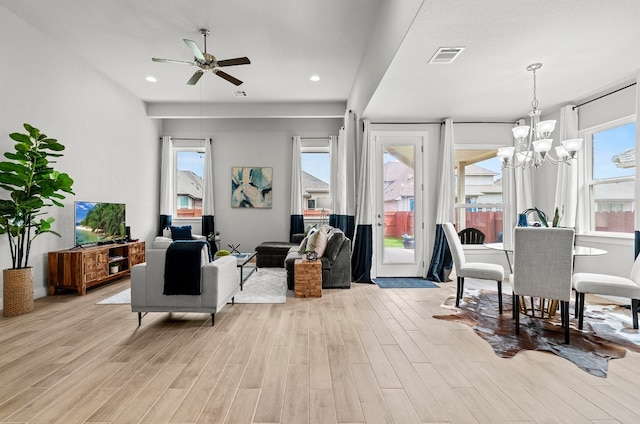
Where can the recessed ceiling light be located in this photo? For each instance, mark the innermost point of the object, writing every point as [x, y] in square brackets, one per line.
[314, 78]
[151, 79]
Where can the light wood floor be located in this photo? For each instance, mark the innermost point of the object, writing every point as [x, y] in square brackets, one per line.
[359, 355]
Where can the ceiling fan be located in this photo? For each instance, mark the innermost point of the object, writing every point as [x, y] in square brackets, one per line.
[207, 62]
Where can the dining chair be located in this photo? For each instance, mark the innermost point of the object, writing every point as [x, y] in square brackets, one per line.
[471, 235]
[608, 285]
[543, 265]
[480, 270]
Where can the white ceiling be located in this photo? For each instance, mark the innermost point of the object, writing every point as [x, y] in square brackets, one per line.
[585, 46]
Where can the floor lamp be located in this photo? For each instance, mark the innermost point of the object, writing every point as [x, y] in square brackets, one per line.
[323, 203]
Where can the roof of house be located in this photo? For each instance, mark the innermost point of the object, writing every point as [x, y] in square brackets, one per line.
[189, 184]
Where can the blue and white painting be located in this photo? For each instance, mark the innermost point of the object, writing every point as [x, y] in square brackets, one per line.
[251, 187]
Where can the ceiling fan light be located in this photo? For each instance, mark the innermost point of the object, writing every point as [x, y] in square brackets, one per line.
[520, 132]
[505, 153]
[545, 128]
[572, 145]
[562, 152]
[542, 146]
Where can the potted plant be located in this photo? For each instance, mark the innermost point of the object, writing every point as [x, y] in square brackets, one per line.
[32, 186]
[220, 253]
[114, 267]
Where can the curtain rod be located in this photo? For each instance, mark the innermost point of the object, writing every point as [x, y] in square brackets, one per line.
[314, 138]
[188, 139]
[604, 95]
[442, 123]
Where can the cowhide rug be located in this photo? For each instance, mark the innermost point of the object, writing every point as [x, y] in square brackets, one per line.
[607, 333]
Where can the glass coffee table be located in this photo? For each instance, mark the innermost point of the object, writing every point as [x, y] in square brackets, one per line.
[243, 259]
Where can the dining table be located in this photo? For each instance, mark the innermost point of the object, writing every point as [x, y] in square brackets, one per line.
[551, 307]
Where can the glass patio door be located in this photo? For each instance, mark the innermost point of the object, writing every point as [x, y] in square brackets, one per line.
[398, 237]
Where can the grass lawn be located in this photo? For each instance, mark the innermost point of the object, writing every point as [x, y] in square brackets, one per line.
[393, 242]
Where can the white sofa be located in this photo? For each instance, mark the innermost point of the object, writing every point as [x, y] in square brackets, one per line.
[220, 281]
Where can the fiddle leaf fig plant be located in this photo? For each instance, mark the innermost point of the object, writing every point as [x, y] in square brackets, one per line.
[32, 186]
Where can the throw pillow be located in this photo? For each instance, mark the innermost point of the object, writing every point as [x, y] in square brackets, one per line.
[321, 243]
[317, 241]
[303, 245]
[181, 233]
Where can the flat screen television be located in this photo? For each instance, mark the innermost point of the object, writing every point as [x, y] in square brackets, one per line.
[99, 222]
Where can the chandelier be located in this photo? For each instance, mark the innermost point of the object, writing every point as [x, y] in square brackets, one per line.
[533, 141]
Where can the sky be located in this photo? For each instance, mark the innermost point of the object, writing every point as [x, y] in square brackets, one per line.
[191, 161]
[317, 164]
[609, 143]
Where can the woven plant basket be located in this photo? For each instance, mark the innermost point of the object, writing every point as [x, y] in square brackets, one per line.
[17, 285]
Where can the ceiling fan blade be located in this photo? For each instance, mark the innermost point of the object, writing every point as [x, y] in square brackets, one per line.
[228, 77]
[195, 78]
[179, 62]
[195, 49]
[236, 61]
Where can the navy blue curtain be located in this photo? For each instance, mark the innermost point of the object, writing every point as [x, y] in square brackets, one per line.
[207, 225]
[441, 260]
[344, 222]
[165, 221]
[637, 243]
[297, 225]
[362, 254]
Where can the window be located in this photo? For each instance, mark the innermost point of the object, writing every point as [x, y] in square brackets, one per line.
[479, 192]
[316, 170]
[189, 181]
[610, 151]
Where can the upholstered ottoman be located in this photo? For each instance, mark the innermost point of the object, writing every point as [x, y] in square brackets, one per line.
[272, 254]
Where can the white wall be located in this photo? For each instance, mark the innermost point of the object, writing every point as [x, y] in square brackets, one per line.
[111, 146]
[251, 142]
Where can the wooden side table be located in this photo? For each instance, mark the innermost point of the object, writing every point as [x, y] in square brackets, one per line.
[307, 278]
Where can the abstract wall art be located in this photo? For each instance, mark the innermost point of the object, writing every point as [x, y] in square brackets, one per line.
[251, 187]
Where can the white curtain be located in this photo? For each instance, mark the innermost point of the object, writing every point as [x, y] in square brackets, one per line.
[343, 177]
[567, 183]
[207, 194]
[361, 258]
[297, 210]
[446, 190]
[637, 190]
[524, 191]
[441, 260]
[166, 184]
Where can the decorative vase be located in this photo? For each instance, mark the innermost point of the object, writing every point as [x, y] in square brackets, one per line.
[17, 291]
[522, 220]
[113, 269]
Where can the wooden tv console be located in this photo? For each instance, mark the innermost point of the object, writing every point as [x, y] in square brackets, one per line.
[80, 268]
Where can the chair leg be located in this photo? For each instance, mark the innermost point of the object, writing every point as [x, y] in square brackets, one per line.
[635, 303]
[564, 306]
[139, 319]
[459, 290]
[213, 319]
[516, 302]
[500, 296]
[513, 305]
[580, 310]
[575, 307]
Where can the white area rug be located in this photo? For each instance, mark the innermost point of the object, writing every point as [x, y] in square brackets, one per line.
[266, 285]
[122, 298]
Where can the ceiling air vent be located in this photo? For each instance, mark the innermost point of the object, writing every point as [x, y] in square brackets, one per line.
[240, 93]
[446, 55]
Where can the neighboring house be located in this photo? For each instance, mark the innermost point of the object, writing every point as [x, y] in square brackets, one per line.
[481, 185]
[313, 188]
[189, 193]
[398, 187]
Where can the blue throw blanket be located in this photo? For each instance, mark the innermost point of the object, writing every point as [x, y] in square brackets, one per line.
[182, 267]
